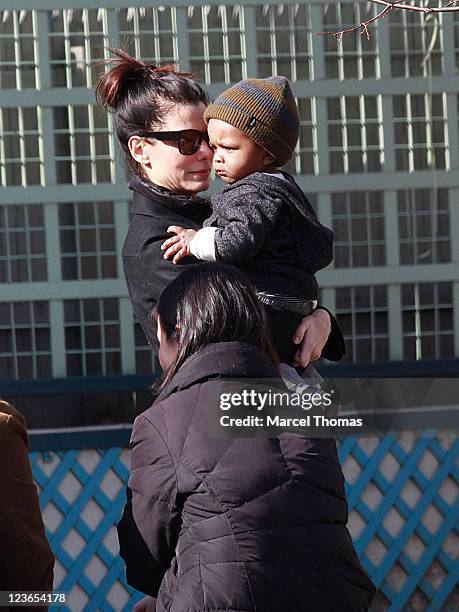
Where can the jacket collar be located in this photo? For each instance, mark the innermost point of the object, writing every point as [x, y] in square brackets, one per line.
[282, 188]
[148, 197]
[221, 360]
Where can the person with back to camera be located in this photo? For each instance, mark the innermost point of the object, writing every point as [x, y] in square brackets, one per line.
[235, 524]
[26, 559]
[261, 222]
[158, 118]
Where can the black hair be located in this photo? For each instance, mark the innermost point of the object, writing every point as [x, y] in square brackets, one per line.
[140, 95]
[211, 302]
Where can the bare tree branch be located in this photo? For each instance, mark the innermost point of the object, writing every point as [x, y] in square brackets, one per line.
[448, 8]
[389, 6]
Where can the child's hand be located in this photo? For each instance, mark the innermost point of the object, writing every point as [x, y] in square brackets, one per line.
[179, 245]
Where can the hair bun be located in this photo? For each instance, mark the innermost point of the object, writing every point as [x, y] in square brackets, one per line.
[158, 71]
[164, 70]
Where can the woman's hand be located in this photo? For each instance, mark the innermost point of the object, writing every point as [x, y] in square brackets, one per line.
[312, 332]
[147, 604]
[179, 245]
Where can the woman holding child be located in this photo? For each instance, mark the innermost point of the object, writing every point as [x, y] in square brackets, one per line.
[158, 117]
[225, 524]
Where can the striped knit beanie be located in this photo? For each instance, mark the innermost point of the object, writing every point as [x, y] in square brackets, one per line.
[265, 111]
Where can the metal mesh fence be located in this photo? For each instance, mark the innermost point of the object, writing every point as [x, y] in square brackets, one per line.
[378, 150]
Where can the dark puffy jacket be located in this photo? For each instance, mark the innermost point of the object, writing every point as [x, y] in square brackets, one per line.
[244, 524]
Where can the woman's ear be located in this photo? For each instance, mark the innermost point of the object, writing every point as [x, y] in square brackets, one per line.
[160, 333]
[138, 150]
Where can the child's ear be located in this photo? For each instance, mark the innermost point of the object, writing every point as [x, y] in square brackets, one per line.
[268, 161]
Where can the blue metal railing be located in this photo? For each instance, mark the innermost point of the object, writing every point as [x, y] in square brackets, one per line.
[135, 382]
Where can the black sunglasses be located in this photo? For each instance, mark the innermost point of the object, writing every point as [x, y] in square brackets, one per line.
[188, 141]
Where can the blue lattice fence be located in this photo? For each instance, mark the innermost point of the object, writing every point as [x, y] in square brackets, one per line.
[82, 496]
[403, 497]
[403, 500]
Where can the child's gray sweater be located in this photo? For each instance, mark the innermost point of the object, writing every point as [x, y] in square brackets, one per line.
[267, 227]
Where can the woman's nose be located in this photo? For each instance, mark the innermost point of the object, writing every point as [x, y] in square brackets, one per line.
[205, 152]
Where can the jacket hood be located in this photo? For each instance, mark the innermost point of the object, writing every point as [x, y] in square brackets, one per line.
[286, 189]
[221, 360]
[314, 241]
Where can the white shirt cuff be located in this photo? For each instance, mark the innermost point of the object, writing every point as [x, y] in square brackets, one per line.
[203, 244]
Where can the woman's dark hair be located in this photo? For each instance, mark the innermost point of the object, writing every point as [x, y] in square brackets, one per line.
[140, 95]
[211, 302]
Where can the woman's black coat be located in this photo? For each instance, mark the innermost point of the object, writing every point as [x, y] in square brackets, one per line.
[147, 273]
[243, 524]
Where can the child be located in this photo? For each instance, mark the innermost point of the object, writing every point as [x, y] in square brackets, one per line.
[261, 221]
